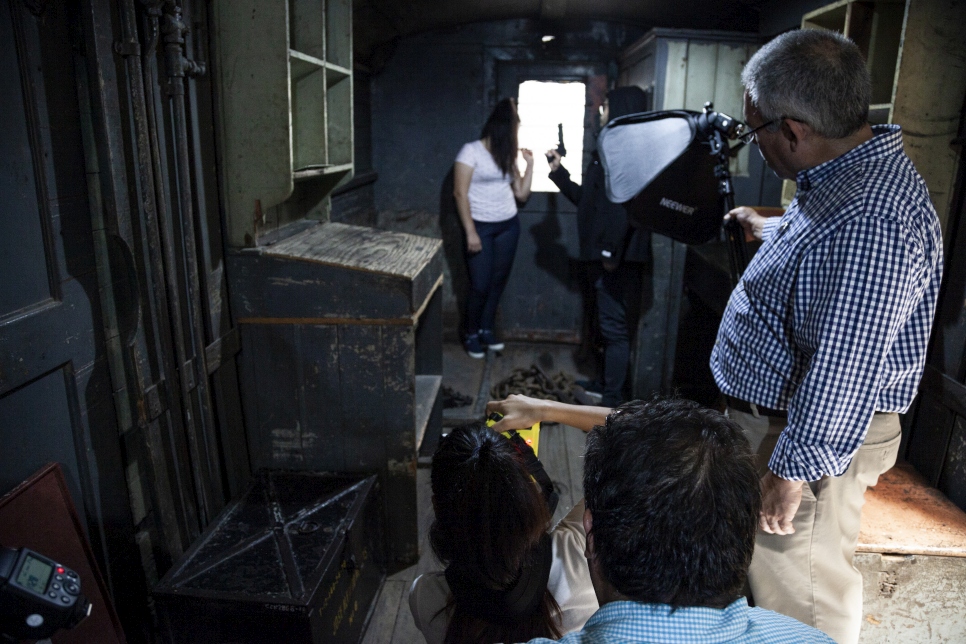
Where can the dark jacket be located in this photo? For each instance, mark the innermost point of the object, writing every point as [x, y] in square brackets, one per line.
[605, 233]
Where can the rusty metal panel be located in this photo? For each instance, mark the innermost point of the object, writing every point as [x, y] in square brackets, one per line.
[914, 599]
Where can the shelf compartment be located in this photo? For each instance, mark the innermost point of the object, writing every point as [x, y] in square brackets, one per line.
[879, 113]
[307, 26]
[308, 119]
[302, 64]
[832, 17]
[338, 99]
[315, 171]
[336, 74]
[338, 33]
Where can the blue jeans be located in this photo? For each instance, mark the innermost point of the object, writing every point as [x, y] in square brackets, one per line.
[489, 271]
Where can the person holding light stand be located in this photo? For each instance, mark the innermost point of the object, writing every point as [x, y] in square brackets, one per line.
[611, 243]
[823, 341]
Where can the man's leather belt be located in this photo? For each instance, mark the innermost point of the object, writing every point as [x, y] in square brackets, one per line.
[753, 409]
[750, 408]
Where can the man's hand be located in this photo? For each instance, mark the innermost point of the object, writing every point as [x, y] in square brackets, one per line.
[751, 221]
[519, 412]
[553, 158]
[780, 499]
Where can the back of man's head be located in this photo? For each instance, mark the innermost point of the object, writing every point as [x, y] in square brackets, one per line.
[674, 496]
[626, 100]
[815, 76]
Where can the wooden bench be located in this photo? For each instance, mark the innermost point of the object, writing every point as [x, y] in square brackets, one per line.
[912, 555]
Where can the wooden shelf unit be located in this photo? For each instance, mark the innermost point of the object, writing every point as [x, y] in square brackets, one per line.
[284, 73]
[876, 27]
[914, 51]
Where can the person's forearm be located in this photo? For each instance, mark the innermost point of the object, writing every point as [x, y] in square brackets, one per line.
[522, 191]
[579, 416]
[568, 188]
[522, 411]
[463, 209]
[854, 292]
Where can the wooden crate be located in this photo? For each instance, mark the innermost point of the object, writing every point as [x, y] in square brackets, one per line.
[341, 332]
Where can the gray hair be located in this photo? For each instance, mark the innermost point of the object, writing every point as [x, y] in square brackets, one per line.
[811, 75]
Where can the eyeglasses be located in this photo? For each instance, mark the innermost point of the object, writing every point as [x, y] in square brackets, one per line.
[749, 136]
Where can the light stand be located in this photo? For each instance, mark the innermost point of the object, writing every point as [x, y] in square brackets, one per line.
[718, 137]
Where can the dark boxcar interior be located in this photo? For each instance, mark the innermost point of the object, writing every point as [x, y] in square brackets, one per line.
[229, 245]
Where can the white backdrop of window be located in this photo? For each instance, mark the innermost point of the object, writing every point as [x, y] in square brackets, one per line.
[541, 106]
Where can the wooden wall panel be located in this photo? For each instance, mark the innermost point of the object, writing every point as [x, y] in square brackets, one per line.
[320, 376]
[929, 90]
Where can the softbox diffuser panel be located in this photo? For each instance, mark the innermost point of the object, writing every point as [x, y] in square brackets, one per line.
[682, 202]
[636, 148]
[664, 175]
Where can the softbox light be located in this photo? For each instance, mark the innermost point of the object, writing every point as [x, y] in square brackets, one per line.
[660, 166]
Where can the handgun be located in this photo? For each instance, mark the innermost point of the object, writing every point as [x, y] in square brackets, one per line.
[561, 150]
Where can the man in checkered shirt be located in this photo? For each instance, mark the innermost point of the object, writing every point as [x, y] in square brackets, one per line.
[824, 339]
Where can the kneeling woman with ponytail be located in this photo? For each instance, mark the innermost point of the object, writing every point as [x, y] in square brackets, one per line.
[508, 578]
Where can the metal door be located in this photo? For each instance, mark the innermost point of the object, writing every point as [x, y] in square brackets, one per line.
[116, 352]
[171, 347]
[56, 396]
[545, 297]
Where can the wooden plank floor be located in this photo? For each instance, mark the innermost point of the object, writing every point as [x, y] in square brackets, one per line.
[561, 452]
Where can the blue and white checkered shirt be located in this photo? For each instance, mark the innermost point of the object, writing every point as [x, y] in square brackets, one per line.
[627, 621]
[832, 316]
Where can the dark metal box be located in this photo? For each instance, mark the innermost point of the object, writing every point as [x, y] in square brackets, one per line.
[298, 558]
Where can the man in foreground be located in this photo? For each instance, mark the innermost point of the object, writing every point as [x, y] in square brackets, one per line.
[824, 338]
[672, 500]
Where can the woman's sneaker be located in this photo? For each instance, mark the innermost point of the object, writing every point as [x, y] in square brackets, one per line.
[474, 348]
[489, 340]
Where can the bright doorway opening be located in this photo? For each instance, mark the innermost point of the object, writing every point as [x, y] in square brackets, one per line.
[542, 105]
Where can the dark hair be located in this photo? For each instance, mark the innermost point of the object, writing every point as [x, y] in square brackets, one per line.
[489, 517]
[501, 129]
[675, 497]
[630, 99]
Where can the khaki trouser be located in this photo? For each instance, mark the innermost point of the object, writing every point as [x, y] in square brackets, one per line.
[809, 575]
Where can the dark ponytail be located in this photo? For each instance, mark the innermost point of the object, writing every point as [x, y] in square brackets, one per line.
[501, 130]
[490, 531]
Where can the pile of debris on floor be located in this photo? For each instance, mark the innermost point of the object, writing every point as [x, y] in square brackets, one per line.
[535, 382]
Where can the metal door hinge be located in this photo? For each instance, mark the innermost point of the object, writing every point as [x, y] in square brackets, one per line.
[221, 350]
[154, 400]
[127, 48]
